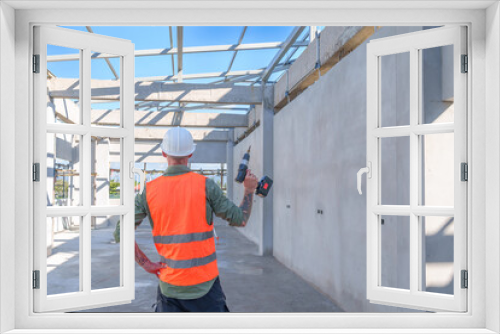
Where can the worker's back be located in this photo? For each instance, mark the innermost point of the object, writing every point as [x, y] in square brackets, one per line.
[182, 235]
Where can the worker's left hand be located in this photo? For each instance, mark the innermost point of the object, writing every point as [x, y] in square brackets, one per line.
[154, 267]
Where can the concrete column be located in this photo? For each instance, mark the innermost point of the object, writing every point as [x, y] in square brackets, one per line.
[229, 160]
[267, 158]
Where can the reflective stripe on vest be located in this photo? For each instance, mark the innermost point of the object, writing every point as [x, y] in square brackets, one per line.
[183, 264]
[183, 238]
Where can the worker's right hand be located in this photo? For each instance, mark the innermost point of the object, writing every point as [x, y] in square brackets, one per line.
[154, 267]
[250, 183]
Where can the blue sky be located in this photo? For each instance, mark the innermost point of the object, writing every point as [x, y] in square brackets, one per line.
[158, 38]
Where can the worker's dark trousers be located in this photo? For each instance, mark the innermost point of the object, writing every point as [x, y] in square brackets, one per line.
[213, 301]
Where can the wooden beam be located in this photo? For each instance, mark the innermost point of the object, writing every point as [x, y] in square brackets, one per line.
[108, 90]
[336, 43]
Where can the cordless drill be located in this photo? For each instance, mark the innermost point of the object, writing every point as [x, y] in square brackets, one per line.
[265, 183]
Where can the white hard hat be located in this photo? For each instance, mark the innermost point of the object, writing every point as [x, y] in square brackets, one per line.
[178, 142]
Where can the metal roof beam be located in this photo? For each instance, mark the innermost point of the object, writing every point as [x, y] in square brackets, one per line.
[191, 49]
[282, 52]
[236, 52]
[89, 29]
[257, 72]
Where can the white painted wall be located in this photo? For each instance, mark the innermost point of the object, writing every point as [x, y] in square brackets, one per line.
[7, 166]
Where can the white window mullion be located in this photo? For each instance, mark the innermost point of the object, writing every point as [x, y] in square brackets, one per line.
[414, 180]
[460, 233]
[372, 226]
[127, 160]
[86, 176]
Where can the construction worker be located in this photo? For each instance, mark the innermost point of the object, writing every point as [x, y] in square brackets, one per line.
[180, 206]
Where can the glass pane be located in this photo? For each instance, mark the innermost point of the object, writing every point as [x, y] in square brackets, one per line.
[437, 85]
[63, 169]
[395, 170]
[63, 106]
[395, 251]
[106, 255]
[63, 254]
[105, 155]
[105, 104]
[438, 239]
[438, 172]
[395, 89]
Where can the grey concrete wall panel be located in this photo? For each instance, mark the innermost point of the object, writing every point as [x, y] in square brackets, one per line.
[253, 229]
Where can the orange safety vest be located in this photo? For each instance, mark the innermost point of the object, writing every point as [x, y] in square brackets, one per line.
[182, 236]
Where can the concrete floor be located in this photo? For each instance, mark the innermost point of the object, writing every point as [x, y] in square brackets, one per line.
[252, 283]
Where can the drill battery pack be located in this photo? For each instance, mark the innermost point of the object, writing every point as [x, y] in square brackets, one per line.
[264, 186]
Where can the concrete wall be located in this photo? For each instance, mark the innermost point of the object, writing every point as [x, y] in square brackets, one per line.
[319, 145]
[254, 227]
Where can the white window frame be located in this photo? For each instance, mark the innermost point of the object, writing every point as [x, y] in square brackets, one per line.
[86, 297]
[484, 142]
[413, 44]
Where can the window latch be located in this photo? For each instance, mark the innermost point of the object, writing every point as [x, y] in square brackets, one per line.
[368, 171]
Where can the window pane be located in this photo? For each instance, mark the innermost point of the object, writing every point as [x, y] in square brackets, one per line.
[438, 172]
[395, 170]
[437, 85]
[438, 239]
[63, 254]
[105, 154]
[63, 169]
[105, 104]
[63, 108]
[106, 255]
[395, 251]
[395, 89]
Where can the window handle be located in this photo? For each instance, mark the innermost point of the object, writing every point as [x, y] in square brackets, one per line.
[142, 176]
[368, 171]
